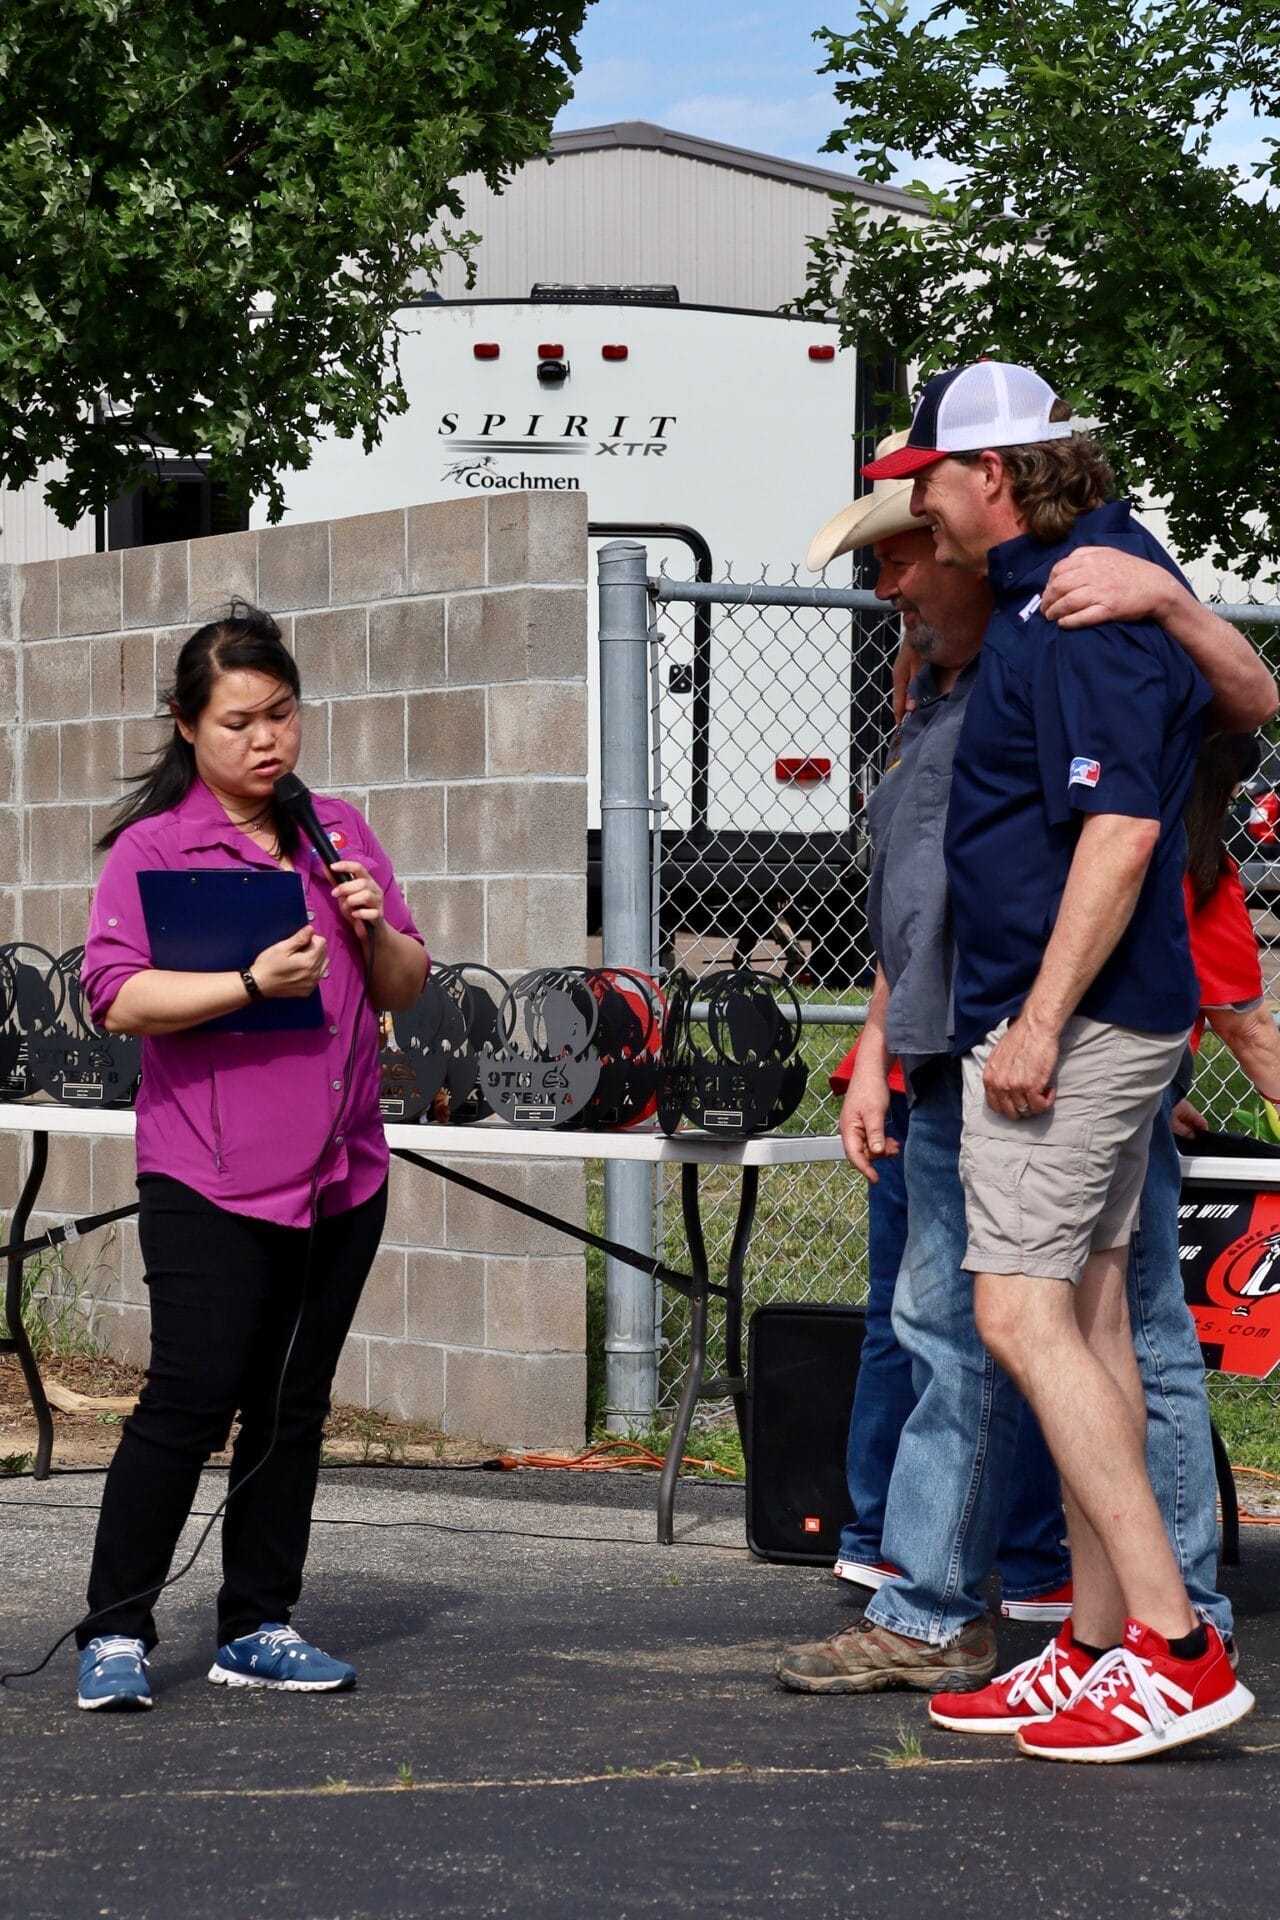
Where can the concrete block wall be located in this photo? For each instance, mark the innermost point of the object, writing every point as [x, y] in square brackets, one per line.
[442, 651]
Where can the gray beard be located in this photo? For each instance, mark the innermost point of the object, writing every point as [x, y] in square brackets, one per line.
[926, 641]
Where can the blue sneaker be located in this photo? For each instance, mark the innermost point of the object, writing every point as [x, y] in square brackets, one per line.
[276, 1656]
[112, 1676]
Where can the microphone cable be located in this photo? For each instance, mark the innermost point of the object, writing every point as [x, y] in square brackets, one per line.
[153, 1593]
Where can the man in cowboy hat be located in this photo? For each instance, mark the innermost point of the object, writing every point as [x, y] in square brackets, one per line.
[925, 1626]
[907, 913]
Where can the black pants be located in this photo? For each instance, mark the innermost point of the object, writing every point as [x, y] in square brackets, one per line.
[225, 1292]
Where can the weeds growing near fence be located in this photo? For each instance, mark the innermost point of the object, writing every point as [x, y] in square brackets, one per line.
[54, 1312]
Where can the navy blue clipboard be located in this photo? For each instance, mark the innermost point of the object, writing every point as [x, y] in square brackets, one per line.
[218, 920]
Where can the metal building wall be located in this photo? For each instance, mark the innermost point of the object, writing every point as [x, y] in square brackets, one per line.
[619, 215]
[29, 531]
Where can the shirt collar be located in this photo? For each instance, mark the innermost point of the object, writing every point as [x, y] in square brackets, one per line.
[924, 686]
[1024, 565]
[202, 822]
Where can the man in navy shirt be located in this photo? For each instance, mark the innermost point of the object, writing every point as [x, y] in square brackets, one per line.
[1074, 992]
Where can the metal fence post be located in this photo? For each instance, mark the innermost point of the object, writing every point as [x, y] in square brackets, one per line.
[630, 1340]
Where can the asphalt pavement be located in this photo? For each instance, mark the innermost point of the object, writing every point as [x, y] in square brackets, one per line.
[558, 1717]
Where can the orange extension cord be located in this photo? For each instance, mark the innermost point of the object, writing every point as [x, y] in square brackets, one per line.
[1257, 1519]
[626, 1455]
[609, 1456]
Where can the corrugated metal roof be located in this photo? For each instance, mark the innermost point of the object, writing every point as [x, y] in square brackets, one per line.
[643, 133]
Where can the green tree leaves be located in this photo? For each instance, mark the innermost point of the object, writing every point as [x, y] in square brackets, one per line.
[210, 212]
[1084, 229]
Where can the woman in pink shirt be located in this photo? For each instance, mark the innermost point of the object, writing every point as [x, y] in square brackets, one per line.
[262, 1167]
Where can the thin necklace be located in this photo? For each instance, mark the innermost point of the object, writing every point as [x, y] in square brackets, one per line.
[255, 821]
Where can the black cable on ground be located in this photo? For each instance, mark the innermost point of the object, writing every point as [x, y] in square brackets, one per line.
[391, 1526]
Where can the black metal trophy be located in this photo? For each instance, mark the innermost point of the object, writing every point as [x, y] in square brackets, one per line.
[434, 1062]
[544, 1070]
[754, 1077]
[48, 1043]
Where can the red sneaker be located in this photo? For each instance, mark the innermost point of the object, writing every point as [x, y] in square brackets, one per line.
[866, 1573]
[1040, 1606]
[1138, 1700]
[1019, 1698]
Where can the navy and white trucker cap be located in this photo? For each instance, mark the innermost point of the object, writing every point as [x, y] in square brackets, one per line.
[990, 404]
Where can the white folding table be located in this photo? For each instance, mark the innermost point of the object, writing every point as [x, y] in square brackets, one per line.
[493, 1140]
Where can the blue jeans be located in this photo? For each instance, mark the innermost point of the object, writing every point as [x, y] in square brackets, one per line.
[960, 1445]
[883, 1395]
[1179, 1442]
[1031, 1559]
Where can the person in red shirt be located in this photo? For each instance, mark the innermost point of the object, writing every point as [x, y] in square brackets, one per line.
[1224, 947]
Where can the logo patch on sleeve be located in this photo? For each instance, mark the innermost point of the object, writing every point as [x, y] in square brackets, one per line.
[1084, 773]
[337, 838]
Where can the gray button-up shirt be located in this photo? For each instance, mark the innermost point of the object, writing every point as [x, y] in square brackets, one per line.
[908, 908]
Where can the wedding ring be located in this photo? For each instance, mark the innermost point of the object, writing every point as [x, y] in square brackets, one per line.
[1024, 1109]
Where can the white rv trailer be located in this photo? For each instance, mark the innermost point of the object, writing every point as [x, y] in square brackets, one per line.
[737, 427]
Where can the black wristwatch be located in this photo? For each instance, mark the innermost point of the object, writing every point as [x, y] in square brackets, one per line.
[251, 986]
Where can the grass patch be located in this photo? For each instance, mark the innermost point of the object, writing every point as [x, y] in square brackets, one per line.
[1245, 1414]
[907, 1751]
[809, 1243]
[717, 1444]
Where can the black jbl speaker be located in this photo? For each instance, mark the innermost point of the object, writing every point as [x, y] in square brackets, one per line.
[802, 1364]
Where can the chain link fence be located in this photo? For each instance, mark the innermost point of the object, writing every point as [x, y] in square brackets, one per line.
[769, 723]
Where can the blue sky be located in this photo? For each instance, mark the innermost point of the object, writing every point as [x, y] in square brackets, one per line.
[745, 74]
[735, 72]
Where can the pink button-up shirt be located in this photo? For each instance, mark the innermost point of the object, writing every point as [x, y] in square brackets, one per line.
[243, 1118]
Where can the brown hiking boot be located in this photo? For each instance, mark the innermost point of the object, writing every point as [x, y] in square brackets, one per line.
[865, 1658]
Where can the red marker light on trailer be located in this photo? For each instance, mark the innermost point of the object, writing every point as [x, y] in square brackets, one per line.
[1264, 819]
[486, 350]
[803, 769]
[613, 353]
[551, 352]
[822, 353]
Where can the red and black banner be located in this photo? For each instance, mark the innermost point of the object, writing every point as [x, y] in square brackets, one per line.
[1229, 1252]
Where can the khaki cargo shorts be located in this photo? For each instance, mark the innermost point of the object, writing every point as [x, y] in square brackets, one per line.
[1042, 1194]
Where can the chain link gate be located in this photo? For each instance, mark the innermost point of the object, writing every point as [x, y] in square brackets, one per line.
[769, 716]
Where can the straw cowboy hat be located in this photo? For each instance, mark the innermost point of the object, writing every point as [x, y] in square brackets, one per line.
[877, 515]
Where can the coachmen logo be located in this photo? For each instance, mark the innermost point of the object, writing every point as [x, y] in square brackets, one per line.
[559, 436]
[485, 472]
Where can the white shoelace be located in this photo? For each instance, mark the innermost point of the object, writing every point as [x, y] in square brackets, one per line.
[281, 1639]
[116, 1646]
[1044, 1666]
[1117, 1670]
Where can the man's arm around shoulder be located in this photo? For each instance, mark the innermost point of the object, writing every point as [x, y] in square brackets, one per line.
[1097, 586]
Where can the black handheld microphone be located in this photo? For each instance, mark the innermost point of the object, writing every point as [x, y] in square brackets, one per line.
[293, 798]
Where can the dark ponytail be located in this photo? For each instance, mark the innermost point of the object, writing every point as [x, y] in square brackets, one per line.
[246, 640]
[1226, 761]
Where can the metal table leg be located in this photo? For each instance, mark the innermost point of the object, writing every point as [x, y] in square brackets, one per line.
[18, 1342]
[732, 1381]
[736, 1379]
[1227, 1498]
